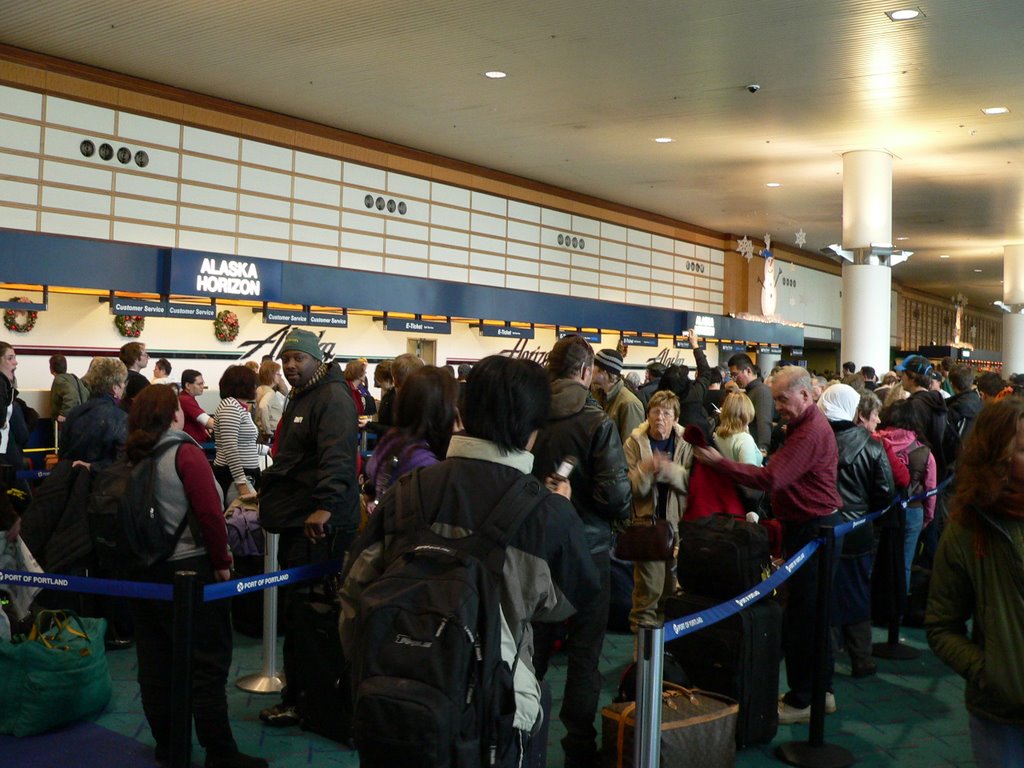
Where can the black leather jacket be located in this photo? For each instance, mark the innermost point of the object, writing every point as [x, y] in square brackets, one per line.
[864, 481]
[600, 486]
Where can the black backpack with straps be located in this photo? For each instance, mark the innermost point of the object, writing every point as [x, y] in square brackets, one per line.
[431, 688]
[129, 532]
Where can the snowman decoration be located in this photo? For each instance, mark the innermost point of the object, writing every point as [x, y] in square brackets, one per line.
[769, 285]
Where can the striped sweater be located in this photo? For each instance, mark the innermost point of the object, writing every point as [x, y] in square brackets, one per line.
[235, 435]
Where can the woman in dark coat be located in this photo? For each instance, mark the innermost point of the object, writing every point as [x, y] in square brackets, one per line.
[864, 481]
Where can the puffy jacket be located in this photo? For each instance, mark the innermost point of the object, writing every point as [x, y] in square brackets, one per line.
[315, 461]
[578, 427]
[989, 590]
[864, 480]
[55, 527]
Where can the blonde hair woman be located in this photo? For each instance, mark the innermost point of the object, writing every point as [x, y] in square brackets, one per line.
[732, 436]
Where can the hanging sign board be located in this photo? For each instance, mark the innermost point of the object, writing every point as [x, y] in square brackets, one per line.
[639, 341]
[328, 319]
[416, 325]
[286, 316]
[593, 338]
[506, 332]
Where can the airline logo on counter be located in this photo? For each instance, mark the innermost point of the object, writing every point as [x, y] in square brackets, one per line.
[520, 352]
[274, 342]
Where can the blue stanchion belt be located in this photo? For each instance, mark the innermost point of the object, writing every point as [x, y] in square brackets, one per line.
[158, 591]
[144, 589]
[225, 589]
[687, 624]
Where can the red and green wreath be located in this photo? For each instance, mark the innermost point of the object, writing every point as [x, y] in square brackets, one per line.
[130, 326]
[225, 326]
[11, 321]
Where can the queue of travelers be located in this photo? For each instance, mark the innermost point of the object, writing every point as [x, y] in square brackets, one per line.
[801, 449]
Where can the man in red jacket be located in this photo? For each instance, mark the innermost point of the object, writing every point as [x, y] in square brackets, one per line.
[801, 478]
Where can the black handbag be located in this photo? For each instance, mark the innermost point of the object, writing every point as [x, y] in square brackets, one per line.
[646, 538]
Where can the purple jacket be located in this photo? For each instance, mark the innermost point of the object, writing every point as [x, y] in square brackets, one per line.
[395, 456]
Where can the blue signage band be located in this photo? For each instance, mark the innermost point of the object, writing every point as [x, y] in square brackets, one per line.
[225, 589]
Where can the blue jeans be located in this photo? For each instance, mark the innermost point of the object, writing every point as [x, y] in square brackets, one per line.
[915, 521]
[996, 745]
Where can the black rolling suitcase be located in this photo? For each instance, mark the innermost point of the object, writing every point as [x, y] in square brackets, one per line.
[738, 657]
[323, 701]
[721, 556]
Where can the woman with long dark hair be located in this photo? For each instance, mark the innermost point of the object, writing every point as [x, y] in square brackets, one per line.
[978, 577]
[424, 419]
[185, 486]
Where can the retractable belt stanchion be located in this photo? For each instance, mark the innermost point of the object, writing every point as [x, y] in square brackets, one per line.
[649, 663]
[892, 648]
[186, 593]
[269, 680]
[815, 753]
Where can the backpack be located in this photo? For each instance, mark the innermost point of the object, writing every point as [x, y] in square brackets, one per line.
[128, 530]
[430, 686]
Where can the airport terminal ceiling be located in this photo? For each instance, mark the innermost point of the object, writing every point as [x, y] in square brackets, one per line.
[591, 85]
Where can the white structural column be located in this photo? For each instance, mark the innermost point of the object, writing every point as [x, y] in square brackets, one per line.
[867, 282]
[1013, 322]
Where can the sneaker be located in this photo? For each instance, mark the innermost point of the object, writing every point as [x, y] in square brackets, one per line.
[280, 716]
[789, 714]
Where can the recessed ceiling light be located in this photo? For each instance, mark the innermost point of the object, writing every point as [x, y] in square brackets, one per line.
[905, 14]
[664, 140]
[902, 238]
[496, 74]
[996, 110]
[943, 255]
[773, 184]
[977, 270]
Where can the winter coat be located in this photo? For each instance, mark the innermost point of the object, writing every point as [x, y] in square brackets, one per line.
[578, 427]
[66, 392]
[547, 572]
[644, 485]
[55, 527]
[931, 410]
[864, 480]
[95, 432]
[625, 409]
[990, 591]
[315, 457]
[902, 443]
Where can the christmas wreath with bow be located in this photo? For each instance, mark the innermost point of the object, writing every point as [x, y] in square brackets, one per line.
[225, 325]
[11, 322]
[130, 326]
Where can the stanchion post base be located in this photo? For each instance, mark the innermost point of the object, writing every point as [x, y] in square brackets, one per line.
[804, 754]
[894, 651]
[261, 683]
